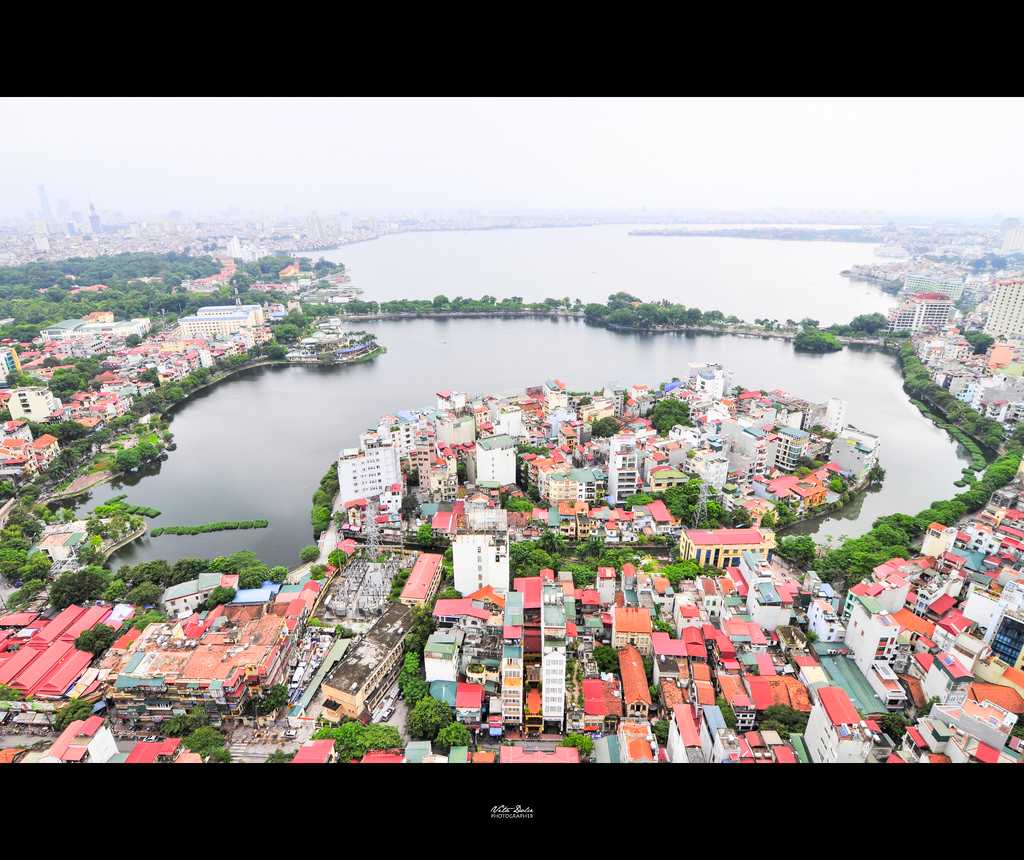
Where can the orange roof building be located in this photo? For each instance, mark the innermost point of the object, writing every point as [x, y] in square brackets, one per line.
[636, 693]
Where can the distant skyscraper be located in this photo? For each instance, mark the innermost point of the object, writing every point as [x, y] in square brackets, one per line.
[345, 222]
[94, 219]
[44, 203]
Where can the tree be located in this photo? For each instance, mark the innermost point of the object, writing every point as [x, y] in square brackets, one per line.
[279, 757]
[783, 719]
[661, 731]
[425, 533]
[800, 550]
[428, 718]
[77, 586]
[727, 712]
[668, 413]
[454, 735]
[604, 427]
[582, 742]
[273, 700]
[144, 594]
[607, 658]
[9, 694]
[309, 553]
[76, 709]
[209, 743]
[219, 596]
[96, 639]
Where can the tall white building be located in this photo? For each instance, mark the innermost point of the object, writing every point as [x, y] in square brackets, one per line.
[922, 311]
[1006, 318]
[367, 471]
[481, 559]
[835, 414]
[925, 284]
[33, 404]
[623, 468]
[553, 635]
[496, 460]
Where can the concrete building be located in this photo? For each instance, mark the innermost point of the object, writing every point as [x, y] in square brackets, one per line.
[367, 471]
[495, 460]
[855, 451]
[424, 578]
[441, 655]
[366, 672]
[926, 284]
[921, 312]
[835, 733]
[481, 559]
[823, 621]
[724, 547]
[32, 404]
[790, 448]
[624, 478]
[1006, 317]
[512, 661]
[835, 414]
[553, 648]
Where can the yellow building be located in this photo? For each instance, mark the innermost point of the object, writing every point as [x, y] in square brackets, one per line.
[723, 547]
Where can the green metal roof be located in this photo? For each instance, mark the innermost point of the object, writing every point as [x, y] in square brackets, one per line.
[800, 748]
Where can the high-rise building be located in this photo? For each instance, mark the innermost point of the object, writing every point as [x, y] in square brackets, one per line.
[1013, 238]
[1006, 318]
[623, 468]
[921, 311]
[512, 679]
[367, 471]
[481, 559]
[9, 362]
[835, 414]
[44, 203]
[924, 284]
[94, 219]
[553, 638]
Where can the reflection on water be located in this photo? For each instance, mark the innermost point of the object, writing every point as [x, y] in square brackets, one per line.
[256, 446]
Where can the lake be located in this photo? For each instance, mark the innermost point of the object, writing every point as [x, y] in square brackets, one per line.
[751, 278]
[256, 445]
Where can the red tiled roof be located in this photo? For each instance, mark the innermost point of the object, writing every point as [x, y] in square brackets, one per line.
[838, 707]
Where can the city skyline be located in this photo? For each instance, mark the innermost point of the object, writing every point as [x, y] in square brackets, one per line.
[211, 155]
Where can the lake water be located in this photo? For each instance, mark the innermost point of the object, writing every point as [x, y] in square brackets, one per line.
[751, 278]
[256, 445]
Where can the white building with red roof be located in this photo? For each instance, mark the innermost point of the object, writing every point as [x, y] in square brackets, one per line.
[835, 732]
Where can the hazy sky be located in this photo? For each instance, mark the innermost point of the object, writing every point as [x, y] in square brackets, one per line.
[939, 156]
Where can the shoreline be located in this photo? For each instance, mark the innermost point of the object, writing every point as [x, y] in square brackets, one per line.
[737, 331]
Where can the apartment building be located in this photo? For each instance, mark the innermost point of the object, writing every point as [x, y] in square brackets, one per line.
[854, 451]
[553, 649]
[920, 312]
[512, 661]
[624, 476]
[1006, 317]
[35, 403]
[481, 560]
[367, 471]
[495, 460]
